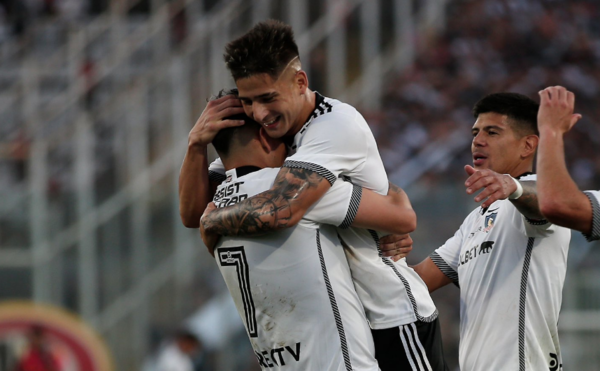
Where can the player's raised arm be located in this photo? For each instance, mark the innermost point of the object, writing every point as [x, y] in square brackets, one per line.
[195, 189]
[560, 199]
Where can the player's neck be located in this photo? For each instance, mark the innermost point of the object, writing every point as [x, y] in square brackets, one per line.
[307, 109]
[235, 161]
[523, 168]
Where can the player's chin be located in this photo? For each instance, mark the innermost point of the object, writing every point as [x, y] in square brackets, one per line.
[480, 165]
[276, 132]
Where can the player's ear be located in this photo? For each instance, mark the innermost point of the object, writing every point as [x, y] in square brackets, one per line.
[301, 80]
[529, 145]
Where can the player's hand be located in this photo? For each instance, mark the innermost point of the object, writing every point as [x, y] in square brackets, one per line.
[396, 246]
[210, 239]
[556, 110]
[212, 120]
[493, 186]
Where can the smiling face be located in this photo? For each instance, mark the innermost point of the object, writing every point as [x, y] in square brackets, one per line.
[498, 147]
[276, 104]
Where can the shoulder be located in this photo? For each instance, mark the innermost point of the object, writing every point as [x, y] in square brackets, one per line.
[337, 122]
[331, 114]
[334, 110]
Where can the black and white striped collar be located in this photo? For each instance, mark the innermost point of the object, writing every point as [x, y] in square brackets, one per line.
[321, 107]
[524, 174]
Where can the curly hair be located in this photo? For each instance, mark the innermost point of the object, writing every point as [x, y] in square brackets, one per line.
[267, 48]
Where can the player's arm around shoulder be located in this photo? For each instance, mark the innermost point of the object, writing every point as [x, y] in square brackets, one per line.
[392, 213]
[294, 191]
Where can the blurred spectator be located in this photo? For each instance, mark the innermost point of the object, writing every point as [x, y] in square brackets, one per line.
[88, 73]
[183, 353]
[179, 27]
[16, 15]
[49, 8]
[490, 46]
[38, 356]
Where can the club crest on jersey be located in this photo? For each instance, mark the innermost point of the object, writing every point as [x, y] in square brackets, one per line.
[489, 221]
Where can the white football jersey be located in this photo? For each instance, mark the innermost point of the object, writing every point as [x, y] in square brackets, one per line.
[511, 273]
[293, 287]
[336, 141]
[594, 197]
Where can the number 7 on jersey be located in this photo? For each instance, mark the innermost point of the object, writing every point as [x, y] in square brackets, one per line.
[236, 257]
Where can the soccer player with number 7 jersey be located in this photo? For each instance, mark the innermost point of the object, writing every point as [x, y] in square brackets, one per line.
[293, 287]
[328, 140]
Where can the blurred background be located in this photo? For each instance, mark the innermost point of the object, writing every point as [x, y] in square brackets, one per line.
[97, 98]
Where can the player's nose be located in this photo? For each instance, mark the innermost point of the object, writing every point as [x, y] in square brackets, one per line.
[260, 112]
[479, 139]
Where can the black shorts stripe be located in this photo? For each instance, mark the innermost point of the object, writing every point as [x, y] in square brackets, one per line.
[522, 302]
[392, 354]
[334, 307]
[312, 167]
[409, 293]
[595, 234]
[413, 348]
[420, 348]
[353, 208]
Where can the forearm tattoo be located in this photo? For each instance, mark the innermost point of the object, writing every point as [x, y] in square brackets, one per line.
[528, 204]
[395, 189]
[267, 211]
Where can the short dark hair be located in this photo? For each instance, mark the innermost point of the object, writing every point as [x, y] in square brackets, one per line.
[267, 48]
[520, 109]
[225, 137]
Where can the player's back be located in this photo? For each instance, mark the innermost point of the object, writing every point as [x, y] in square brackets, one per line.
[293, 290]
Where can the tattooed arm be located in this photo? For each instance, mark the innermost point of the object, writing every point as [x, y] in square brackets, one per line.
[495, 186]
[294, 191]
[528, 204]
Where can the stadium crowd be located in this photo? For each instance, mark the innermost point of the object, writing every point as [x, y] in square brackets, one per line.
[490, 46]
[487, 46]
